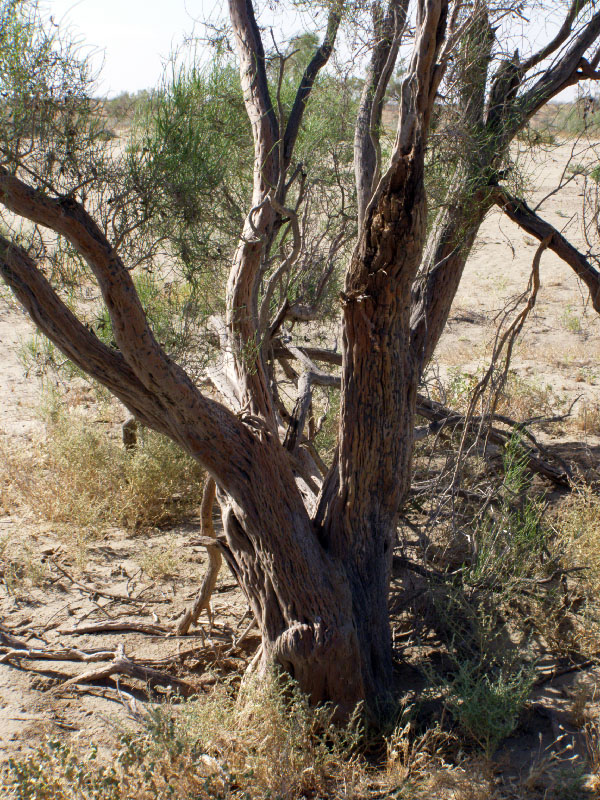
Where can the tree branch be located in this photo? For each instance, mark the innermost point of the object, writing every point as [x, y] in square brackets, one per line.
[215, 559]
[133, 336]
[388, 30]
[202, 427]
[558, 77]
[77, 342]
[518, 210]
[257, 98]
[316, 64]
[561, 37]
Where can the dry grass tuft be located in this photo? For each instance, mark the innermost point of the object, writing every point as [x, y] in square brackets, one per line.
[267, 743]
[588, 418]
[521, 398]
[20, 566]
[577, 525]
[81, 477]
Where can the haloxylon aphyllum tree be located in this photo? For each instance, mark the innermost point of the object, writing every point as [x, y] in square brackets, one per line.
[310, 543]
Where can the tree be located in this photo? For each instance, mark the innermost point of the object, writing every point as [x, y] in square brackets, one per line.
[312, 552]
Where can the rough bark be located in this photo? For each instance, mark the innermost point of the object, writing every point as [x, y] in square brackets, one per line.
[317, 583]
[388, 25]
[361, 497]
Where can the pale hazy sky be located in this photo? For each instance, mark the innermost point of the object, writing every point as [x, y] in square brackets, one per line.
[134, 38]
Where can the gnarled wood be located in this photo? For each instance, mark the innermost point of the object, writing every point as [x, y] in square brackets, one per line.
[316, 579]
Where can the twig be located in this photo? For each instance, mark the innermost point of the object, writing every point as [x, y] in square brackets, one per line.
[104, 627]
[556, 672]
[109, 595]
[237, 642]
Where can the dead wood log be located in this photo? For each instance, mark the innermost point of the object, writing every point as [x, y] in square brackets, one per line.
[122, 665]
[63, 654]
[111, 626]
[537, 455]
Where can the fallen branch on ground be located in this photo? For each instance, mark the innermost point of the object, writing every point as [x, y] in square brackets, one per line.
[105, 627]
[537, 455]
[63, 654]
[122, 665]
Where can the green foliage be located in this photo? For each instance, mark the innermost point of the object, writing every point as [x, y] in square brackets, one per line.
[47, 117]
[511, 542]
[192, 155]
[487, 705]
[570, 320]
[481, 610]
[192, 158]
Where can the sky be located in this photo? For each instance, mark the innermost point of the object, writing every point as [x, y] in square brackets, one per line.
[132, 39]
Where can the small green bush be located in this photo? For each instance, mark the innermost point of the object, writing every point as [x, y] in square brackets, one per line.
[487, 706]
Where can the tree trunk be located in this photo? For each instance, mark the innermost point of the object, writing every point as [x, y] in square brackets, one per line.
[300, 594]
[323, 619]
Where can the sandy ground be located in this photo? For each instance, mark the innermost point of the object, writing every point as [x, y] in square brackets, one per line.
[556, 362]
[29, 711]
[558, 357]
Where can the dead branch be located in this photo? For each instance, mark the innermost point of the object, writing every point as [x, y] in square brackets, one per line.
[282, 350]
[317, 62]
[122, 665]
[63, 654]
[537, 456]
[567, 71]
[518, 210]
[215, 559]
[577, 6]
[69, 334]
[388, 27]
[124, 626]
[312, 376]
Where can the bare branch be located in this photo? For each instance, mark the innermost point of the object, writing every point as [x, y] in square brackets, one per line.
[420, 86]
[577, 6]
[388, 32]
[132, 334]
[282, 351]
[163, 394]
[76, 341]
[284, 267]
[567, 71]
[259, 105]
[518, 210]
[317, 62]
